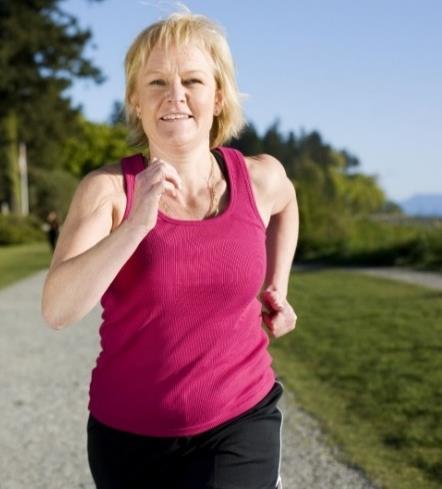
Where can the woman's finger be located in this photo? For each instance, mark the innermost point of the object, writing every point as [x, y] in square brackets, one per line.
[280, 322]
[273, 299]
[169, 171]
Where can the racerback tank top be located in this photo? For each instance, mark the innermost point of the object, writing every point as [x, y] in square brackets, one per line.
[182, 344]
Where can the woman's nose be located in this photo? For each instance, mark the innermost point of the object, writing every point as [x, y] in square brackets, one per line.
[177, 91]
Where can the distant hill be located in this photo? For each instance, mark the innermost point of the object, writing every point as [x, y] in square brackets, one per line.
[423, 205]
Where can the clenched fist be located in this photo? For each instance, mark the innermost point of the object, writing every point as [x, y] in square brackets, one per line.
[277, 314]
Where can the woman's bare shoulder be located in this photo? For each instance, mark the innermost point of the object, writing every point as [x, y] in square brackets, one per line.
[104, 185]
[270, 180]
[110, 170]
[108, 177]
[259, 173]
[263, 198]
[113, 176]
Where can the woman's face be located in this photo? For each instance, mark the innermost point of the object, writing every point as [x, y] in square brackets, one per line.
[180, 83]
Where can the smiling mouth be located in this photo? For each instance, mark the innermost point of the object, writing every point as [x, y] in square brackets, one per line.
[177, 119]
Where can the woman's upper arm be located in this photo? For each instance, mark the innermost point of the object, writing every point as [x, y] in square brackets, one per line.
[89, 218]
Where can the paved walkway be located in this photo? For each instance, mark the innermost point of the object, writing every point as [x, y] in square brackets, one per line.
[44, 381]
[432, 280]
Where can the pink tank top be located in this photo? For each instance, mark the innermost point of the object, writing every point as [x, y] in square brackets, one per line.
[183, 348]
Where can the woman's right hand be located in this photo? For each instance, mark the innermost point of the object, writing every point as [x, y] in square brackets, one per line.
[150, 184]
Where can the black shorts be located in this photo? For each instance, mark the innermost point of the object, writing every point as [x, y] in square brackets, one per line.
[242, 453]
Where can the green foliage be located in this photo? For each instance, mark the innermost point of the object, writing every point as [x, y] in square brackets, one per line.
[94, 146]
[331, 193]
[338, 205]
[117, 115]
[424, 249]
[41, 52]
[250, 142]
[50, 191]
[375, 242]
[16, 229]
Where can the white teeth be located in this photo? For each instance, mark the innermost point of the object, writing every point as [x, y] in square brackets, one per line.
[176, 116]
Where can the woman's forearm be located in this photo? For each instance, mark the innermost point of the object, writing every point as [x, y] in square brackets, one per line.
[76, 285]
[282, 238]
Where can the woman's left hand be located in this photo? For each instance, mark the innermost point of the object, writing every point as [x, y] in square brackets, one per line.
[279, 316]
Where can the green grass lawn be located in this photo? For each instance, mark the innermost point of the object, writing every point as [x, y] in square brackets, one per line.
[366, 360]
[19, 261]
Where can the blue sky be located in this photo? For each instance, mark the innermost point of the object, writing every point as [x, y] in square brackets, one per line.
[366, 75]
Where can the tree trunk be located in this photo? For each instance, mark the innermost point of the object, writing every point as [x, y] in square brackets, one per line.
[9, 176]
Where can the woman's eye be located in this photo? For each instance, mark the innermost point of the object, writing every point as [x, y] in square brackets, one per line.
[161, 82]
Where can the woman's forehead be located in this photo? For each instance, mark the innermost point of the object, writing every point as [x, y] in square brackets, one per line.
[189, 57]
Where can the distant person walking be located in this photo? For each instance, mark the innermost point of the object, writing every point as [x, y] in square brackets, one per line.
[176, 245]
[53, 230]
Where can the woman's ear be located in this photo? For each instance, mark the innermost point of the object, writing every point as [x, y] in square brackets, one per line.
[218, 103]
[134, 102]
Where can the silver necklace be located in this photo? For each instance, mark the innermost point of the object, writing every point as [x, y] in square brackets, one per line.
[214, 200]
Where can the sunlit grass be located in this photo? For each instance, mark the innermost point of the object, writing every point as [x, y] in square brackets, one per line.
[366, 360]
[20, 261]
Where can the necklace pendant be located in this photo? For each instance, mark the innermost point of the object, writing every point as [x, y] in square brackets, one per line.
[214, 199]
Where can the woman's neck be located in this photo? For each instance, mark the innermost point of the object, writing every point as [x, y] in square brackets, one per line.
[193, 166]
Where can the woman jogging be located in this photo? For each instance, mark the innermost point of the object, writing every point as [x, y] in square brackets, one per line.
[188, 247]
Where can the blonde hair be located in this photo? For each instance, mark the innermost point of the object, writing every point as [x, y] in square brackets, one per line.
[178, 29]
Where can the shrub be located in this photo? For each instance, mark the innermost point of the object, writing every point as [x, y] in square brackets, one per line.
[20, 229]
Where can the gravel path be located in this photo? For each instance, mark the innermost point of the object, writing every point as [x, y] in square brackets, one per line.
[44, 381]
[431, 280]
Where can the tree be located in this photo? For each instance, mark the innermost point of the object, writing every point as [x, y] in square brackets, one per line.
[332, 195]
[41, 52]
[97, 145]
[117, 113]
[273, 141]
[249, 142]
[94, 146]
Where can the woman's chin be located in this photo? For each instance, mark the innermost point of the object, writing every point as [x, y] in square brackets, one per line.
[182, 137]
